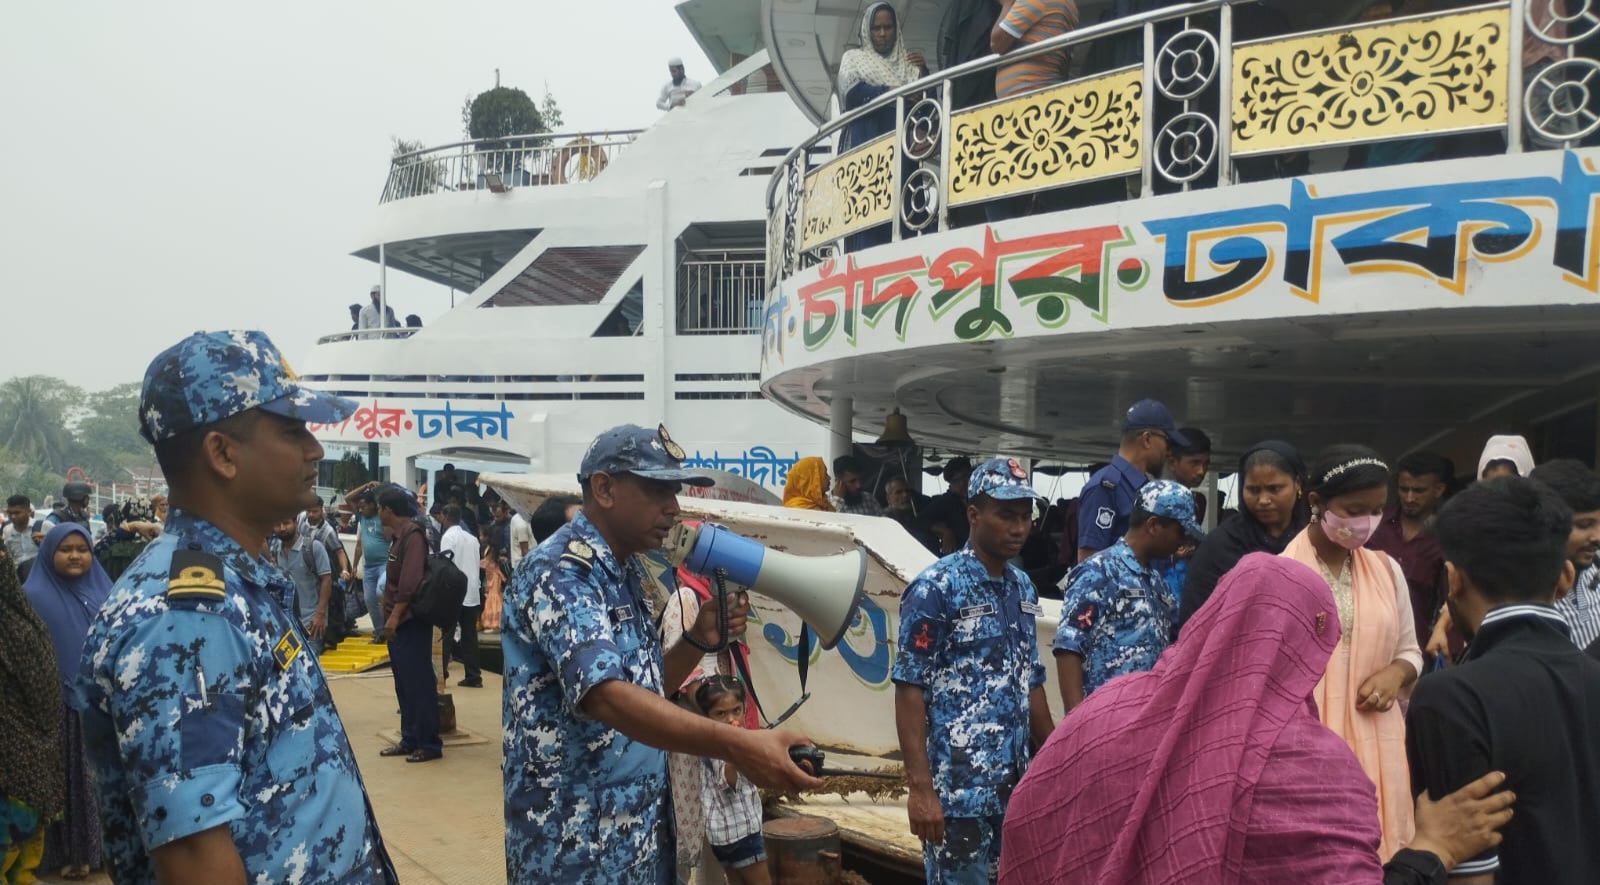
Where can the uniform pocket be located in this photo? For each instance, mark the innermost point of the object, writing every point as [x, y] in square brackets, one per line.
[211, 730]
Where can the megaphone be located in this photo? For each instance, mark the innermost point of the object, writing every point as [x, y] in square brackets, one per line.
[825, 591]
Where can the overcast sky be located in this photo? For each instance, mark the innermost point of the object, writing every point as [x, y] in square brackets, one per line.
[168, 167]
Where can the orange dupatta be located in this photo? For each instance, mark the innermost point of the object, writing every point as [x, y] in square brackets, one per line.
[1377, 739]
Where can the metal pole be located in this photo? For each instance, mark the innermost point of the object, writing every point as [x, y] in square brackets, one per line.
[899, 167]
[947, 133]
[1151, 130]
[1515, 113]
[841, 418]
[383, 288]
[1225, 101]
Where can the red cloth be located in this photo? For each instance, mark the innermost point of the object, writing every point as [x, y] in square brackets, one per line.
[408, 554]
[1210, 769]
[702, 591]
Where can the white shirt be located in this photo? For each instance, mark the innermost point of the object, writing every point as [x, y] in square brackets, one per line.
[521, 533]
[465, 553]
[368, 319]
[676, 92]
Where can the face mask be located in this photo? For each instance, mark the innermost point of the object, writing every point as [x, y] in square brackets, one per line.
[1349, 532]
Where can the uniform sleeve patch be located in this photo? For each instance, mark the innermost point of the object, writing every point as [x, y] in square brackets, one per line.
[1104, 517]
[195, 575]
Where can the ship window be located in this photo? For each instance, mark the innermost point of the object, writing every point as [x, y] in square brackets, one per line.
[566, 275]
[628, 316]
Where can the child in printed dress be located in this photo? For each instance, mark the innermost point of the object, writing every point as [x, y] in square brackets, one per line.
[732, 804]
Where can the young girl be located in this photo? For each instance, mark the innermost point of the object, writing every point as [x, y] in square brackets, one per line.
[732, 804]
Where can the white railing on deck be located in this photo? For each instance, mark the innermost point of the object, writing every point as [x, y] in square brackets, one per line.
[505, 163]
[721, 296]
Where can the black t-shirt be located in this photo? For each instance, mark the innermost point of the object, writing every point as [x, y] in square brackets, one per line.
[1525, 702]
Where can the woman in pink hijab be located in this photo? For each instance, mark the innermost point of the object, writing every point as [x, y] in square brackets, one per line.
[1212, 768]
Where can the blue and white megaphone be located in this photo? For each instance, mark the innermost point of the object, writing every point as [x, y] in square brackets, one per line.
[825, 591]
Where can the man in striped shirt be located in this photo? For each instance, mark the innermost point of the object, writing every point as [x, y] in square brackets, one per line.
[1579, 488]
[1025, 22]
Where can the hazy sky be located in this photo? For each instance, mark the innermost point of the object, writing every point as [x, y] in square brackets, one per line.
[168, 167]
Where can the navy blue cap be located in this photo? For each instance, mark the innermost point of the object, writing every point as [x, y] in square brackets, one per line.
[1152, 414]
[210, 376]
[632, 449]
[1002, 479]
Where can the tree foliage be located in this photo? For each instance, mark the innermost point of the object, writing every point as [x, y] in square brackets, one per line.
[501, 112]
[349, 472]
[34, 415]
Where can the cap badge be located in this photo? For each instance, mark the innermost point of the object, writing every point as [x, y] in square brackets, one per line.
[580, 550]
[673, 449]
[1016, 469]
[288, 373]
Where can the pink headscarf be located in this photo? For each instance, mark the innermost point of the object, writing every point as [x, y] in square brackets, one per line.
[1210, 769]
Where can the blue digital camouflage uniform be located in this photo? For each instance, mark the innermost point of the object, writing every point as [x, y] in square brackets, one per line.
[203, 708]
[584, 804]
[969, 641]
[201, 705]
[1117, 614]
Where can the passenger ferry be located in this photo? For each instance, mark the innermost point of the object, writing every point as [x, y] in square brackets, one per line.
[597, 278]
[1285, 219]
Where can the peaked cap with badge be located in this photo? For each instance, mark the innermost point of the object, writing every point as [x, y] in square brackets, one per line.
[210, 376]
[630, 448]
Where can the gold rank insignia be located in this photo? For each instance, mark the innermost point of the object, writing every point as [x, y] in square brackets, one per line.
[673, 449]
[195, 575]
[579, 553]
[285, 649]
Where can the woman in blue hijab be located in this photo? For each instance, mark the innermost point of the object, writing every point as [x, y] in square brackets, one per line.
[66, 588]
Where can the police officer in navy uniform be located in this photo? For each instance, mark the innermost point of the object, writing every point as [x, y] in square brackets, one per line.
[217, 752]
[585, 723]
[970, 706]
[1107, 498]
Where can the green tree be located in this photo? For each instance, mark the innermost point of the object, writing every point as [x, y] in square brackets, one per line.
[34, 414]
[496, 115]
[418, 175]
[21, 477]
[550, 111]
[349, 473]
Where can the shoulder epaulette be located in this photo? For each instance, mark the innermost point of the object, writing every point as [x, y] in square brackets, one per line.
[195, 576]
[579, 554]
[1108, 484]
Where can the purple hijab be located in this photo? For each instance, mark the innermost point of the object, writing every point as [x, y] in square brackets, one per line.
[66, 605]
[1210, 769]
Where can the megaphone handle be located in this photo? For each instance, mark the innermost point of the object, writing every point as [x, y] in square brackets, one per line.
[720, 577]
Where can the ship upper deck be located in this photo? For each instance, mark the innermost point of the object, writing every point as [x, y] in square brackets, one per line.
[1383, 229]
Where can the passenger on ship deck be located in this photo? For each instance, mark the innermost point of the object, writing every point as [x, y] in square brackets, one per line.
[970, 707]
[1117, 612]
[1406, 532]
[1107, 498]
[218, 754]
[1503, 455]
[585, 721]
[677, 89]
[1579, 488]
[806, 487]
[945, 518]
[376, 315]
[879, 64]
[1212, 769]
[1378, 658]
[847, 495]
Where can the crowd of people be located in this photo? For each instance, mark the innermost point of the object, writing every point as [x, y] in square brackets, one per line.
[1248, 704]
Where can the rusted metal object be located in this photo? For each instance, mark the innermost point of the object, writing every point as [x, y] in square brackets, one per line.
[803, 850]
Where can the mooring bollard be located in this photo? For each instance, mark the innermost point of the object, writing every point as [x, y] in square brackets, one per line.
[802, 850]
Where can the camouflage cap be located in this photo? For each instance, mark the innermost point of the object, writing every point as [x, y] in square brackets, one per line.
[632, 449]
[210, 376]
[1002, 479]
[1171, 500]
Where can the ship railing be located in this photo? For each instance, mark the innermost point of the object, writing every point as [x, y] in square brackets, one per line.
[1154, 125]
[393, 333]
[721, 293]
[502, 164]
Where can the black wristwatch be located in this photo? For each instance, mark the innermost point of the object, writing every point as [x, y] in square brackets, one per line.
[1412, 867]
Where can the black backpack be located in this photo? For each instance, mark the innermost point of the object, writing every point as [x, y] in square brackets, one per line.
[443, 589]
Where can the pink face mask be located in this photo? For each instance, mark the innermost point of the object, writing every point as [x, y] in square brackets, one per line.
[1349, 532]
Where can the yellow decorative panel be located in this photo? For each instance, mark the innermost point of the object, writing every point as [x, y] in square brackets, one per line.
[1074, 132]
[1436, 74]
[849, 194]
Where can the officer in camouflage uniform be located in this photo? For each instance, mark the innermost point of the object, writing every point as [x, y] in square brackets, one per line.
[1117, 612]
[969, 689]
[586, 794]
[216, 748]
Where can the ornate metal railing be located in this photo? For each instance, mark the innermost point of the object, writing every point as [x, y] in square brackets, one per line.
[1158, 125]
[498, 164]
